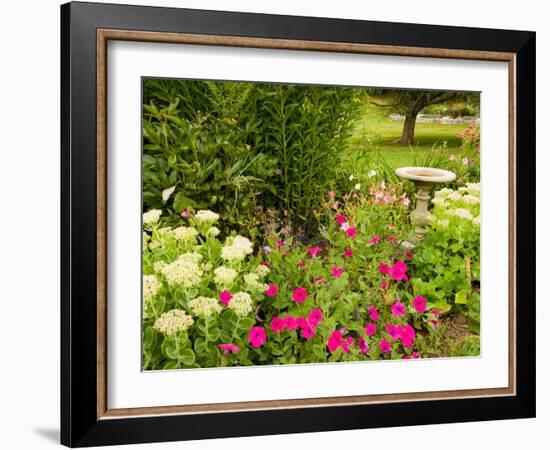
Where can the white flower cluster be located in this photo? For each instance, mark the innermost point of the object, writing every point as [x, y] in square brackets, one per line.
[205, 215]
[151, 286]
[224, 276]
[152, 216]
[241, 303]
[184, 233]
[185, 270]
[463, 213]
[253, 284]
[173, 321]
[461, 203]
[236, 249]
[439, 201]
[212, 232]
[262, 270]
[204, 306]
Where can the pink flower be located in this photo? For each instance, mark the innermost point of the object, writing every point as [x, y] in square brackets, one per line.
[398, 309]
[272, 290]
[363, 345]
[185, 214]
[405, 200]
[277, 325]
[345, 226]
[290, 322]
[452, 158]
[301, 264]
[319, 280]
[335, 341]
[336, 272]
[302, 322]
[315, 317]
[385, 346]
[308, 332]
[225, 297]
[384, 269]
[256, 337]
[228, 348]
[392, 240]
[350, 340]
[267, 250]
[408, 336]
[348, 252]
[399, 271]
[299, 295]
[465, 161]
[332, 194]
[384, 286]
[370, 329]
[351, 232]
[374, 240]
[313, 251]
[340, 219]
[373, 313]
[409, 255]
[394, 331]
[416, 355]
[419, 304]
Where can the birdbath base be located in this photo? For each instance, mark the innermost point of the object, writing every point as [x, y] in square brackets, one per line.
[424, 179]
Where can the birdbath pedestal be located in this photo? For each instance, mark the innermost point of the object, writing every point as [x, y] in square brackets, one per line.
[424, 178]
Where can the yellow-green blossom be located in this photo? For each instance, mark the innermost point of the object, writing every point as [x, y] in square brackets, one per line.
[204, 306]
[262, 270]
[173, 321]
[185, 271]
[253, 284]
[241, 303]
[205, 215]
[224, 275]
[151, 286]
[184, 233]
[237, 248]
[152, 216]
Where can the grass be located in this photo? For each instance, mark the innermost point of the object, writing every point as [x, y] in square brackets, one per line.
[375, 133]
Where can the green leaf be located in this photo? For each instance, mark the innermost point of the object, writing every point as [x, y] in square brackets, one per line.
[199, 345]
[461, 297]
[187, 356]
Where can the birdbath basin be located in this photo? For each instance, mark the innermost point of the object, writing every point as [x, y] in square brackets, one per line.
[424, 178]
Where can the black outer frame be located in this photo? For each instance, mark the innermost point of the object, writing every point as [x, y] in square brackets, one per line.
[79, 423]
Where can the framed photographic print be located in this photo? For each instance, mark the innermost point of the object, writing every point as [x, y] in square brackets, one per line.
[276, 224]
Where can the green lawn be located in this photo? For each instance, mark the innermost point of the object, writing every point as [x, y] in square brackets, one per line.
[375, 132]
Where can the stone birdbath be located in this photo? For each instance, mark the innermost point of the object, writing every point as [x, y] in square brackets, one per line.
[424, 179]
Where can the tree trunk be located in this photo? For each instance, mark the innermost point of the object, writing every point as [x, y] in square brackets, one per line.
[407, 135]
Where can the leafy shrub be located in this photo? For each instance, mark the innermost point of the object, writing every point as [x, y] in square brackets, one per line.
[447, 264]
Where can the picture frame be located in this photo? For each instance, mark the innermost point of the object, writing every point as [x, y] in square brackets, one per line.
[86, 418]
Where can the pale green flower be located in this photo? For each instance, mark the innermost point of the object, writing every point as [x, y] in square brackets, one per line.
[241, 303]
[152, 216]
[205, 215]
[224, 275]
[204, 306]
[253, 284]
[184, 233]
[185, 271]
[173, 321]
[236, 249]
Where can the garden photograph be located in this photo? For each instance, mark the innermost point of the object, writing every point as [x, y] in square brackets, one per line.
[295, 224]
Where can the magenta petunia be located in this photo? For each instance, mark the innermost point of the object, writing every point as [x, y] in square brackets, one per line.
[384, 285]
[228, 348]
[256, 337]
[419, 304]
[351, 232]
[272, 290]
[340, 219]
[416, 355]
[370, 329]
[394, 331]
[373, 313]
[185, 214]
[299, 295]
[277, 325]
[308, 332]
[348, 252]
[335, 340]
[374, 239]
[385, 346]
[315, 317]
[398, 309]
[408, 336]
[384, 269]
[225, 297]
[409, 255]
[314, 251]
[302, 322]
[398, 271]
[392, 240]
[336, 272]
[363, 345]
[290, 322]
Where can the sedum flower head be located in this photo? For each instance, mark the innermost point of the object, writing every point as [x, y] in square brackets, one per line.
[454, 196]
[173, 321]
[262, 270]
[151, 286]
[236, 249]
[184, 233]
[439, 201]
[443, 192]
[253, 284]
[152, 216]
[463, 213]
[241, 303]
[205, 215]
[204, 306]
[213, 232]
[224, 275]
[471, 199]
[185, 270]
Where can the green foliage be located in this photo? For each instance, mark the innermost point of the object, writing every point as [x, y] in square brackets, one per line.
[447, 261]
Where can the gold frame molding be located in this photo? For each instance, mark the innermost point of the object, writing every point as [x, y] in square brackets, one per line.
[105, 35]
